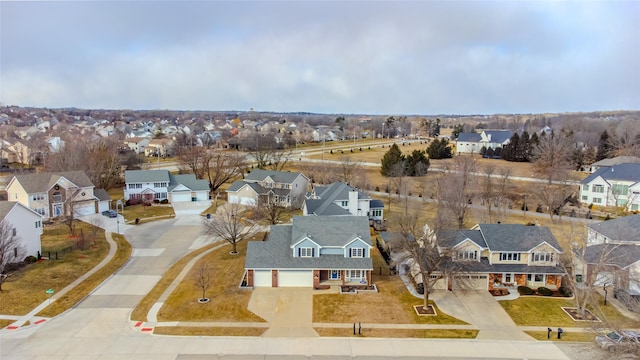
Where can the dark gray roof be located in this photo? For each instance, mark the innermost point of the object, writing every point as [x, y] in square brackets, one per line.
[612, 254]
[324, 204]
[101, 194]
[376, 204]
[236, 185]
[276, 252]
[621, 229]
[42, 182]
[259, 189]
[138, 176]
[188, 180]
[469, 137]
[5, 207]
[517, 268]
[499, 136]
[516, 237]
[284, 177]
[452, 238]
[320, 207]
[627, 172]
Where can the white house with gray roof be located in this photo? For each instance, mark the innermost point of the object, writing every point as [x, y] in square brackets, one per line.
[312, 251]
[26, 226]
[504, 255]
[617, 185]
[150, 185]
[490, 139]
[286, 188]
[342, 199]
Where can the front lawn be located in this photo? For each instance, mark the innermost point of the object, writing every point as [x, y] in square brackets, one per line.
[147, 213]
[399, 333]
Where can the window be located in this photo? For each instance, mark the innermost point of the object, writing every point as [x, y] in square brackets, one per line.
[510, 256]
[597, 200]
[37, 197]
[585, 198]
[40, 211]
[634, 207]
[468, 255]
[14, 231]
[585, 187]
[528, 277]
[355, 274]
[539, 257]
[538, 277]
[376, 212]
[160, 195]
[135, 186]
[38, 224]
[618, 189]
[344, 203]
[357, 252]
[306, 252]
[57, 196]
[598, 188]
[507, 277]
[159, 184]
[579, 278]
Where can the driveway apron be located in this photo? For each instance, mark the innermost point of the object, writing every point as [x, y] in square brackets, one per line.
[288, 311]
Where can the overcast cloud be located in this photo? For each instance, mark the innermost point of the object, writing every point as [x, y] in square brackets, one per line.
[332, 57]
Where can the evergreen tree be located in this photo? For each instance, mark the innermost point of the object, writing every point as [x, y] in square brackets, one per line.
[439, 149]
[457, 129]
[391, 158]
[509, 151]
[523, 149]
[604, 146]
[417, 163]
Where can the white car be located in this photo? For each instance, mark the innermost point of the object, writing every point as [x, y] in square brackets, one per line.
[618, 339]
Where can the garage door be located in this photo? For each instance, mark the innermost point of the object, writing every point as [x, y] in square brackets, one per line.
[202, 195]
[82, 210]
[291, 278]
[262, 278]
[181, 196]
[471, 282]
[233, 199]
[103, 205]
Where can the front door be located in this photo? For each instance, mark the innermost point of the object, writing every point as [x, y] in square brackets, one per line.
[334, 275]
[58, 209]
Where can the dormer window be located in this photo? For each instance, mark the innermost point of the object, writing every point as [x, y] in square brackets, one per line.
[306, 252]
[357, 252]
[57, 196]
[542, 257]
[345, 203]
[468, 255]
[510, 256]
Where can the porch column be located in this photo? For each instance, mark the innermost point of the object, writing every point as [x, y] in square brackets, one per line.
[316, 279]
[250, 278]
[342, 275]
[368, 277]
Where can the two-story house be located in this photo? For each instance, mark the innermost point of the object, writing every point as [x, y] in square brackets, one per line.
[612, 255]
[150, 185]
[26, 225]
[159, 148]
[490, 139]
[136, 144]
[284, 187]
[56, 194]
[312, 251]
[505, 255]
[617, 185]
[341, 199]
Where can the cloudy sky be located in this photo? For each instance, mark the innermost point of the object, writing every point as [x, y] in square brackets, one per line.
[382, 57]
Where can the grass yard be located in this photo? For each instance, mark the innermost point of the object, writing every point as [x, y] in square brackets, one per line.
[84, 288]
[208, 331]
[25, 289]
[227, 301]
[543, 311]
[566, 336]
[392, 304]
[399, 333]
[5, 323]
[147, 213]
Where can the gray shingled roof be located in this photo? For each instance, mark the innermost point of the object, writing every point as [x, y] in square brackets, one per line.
[627, 172]
[139, 176]
[452, 238]
[42, 182]
[276, 252]
[328, 195]
[188, 180]
[621, 229]
[285, 177]
[516, 237]
[617, 160]
[469, 137]
[517, 268]
[376, 204]
[499, 136]
[612, 254]
[101, 194]
[5, 207]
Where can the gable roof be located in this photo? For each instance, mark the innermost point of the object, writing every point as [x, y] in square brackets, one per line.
[612, 254]
[625, 172]
[626, 228]
[7, 206]
[499, 136]
[325, 205]
[285, 177]
[136, 176]
[188, 180]
[35, 183]
[453, 238]
[330, 230]
[617, 161]
[101, 194]
[516, 237]
[469, 137]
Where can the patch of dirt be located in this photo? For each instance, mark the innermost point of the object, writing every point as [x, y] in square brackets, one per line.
[573, 312]
[499, 292]
[422, 311]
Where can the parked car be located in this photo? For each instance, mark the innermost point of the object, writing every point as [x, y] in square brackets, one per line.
[110, 213]
[617, 340]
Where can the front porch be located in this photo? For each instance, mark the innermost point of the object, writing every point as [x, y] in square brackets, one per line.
[324, 279]
[531, 280]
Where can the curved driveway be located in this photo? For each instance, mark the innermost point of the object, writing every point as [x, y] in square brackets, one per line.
[99, 328]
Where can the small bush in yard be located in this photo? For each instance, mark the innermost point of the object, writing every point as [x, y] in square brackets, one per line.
[545, 291]
[525, 290]
[564, 291]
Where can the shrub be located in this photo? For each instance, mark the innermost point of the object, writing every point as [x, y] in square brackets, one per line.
[164, 201]
[30, 259]
[545, 291]
[137, 221]
[564, 291]
[156, 201]
[420, 288]
[525, 290]
[377, 188]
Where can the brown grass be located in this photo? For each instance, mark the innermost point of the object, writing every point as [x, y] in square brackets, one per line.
[5, 323]
[228, 301]
[25, 289]
[208, 331]
[399, 333]
[147, 213]
[84, 288]
[566, 336]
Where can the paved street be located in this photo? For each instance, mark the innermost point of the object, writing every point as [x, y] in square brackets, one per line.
[99, 327]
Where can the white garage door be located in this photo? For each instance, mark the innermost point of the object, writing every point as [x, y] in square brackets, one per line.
[471, 282]
[103, 205]
[82, 210]
[202, 195]
[233, 199]
[262, 278]
[181, 196]
[290, 278]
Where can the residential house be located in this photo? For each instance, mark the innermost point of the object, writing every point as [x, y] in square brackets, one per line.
[150, 185]
[312, 251]
[502, 256]
[159, 147]
[342, 199]
[56, 194]
[612, 255]
[26, 225]
[611, 162]
[136, 144]
[490, 139]
[617, 185]
[285, 187]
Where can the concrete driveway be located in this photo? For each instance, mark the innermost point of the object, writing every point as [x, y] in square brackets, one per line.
[288, 310]
[479, 308]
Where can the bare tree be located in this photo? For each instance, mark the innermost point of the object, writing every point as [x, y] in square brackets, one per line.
[193, 159]
[349, 168]
[487, 190]
[229, 224]
[553, 196]
[270, 209]
[11, 250]
[202, 279]
[225, 166]
[552, 156]
[97, 223]
[279, 159]
[453, 194]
